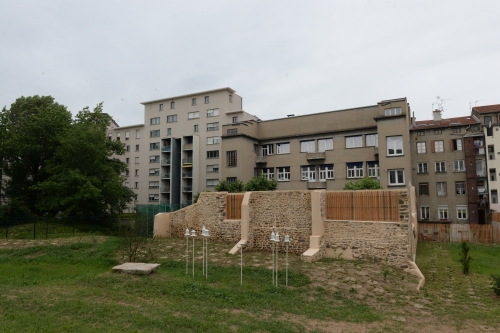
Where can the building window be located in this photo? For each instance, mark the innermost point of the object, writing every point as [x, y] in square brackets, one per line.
[422, 167]
[126, 184]
[268, 173]
[421, 148]
[460, 187]
[355, 170]
[232, 160]
[423, 188]
[438, 131]
[325, 172]
[212, 113]
[494, 196]
[440, 166]
[154, 184]
[127, 173]
[154, 121]
[231, 180]
[425, 212]
[212, 126]
[420, 133]
[154, 197]
[396, 177]
[461, 212]
[458, 165]
[196, 128]
[456, 144]
[169, 131]
[441, 189]
[308, 173]
[232, 131]
[213, 168]
[371, 140]
[443, 212]
[127, 160]
[193, 101]
[307, 146]
[172, 105]
[118, 136]
[136, 172]
[213, 154]
[127, 148]
[154, 172]
[136, 185]
[235, 120]
[161, 107]
[393, 111]
[438, 146]
[172, 118]
[137, 134]
[230, 98]
[207, 99]
[267, 149]
[283, 174]
[154, 146]
[325, 144]
[354, 141]
[136, 147]
[394, 145]
[154, 159]
[212, 140]
[127, 135]
[283, 148]
[194, 115]
[154, 134]
[456, 130]
[212, 182]
[137, 160]
[491, 152]
[373, 169]
[493, 175]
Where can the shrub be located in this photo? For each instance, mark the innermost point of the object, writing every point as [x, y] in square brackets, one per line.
[366, 183]
[465, 257]
[496, 284]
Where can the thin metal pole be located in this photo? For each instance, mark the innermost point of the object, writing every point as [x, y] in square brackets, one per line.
[272, 258]
[206, 266]
[276, 264]
[193, 257]
[187, 254]
[203, 256]
[241, 265]
[286, 265]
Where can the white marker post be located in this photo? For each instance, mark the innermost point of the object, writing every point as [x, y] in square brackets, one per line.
[193, 234]
[287, 241]
[277, 239]
[187, 249]
[272, 251]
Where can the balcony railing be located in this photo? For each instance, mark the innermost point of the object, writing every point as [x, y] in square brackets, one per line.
[153, 199]
[165, 175]
[188, 146]
[187, 174]
[154, 186]
[165, 202]
[154, 174]
[315, 156]
[165, 161]
[187, 160]
[187, 189]
[165, 189]
[260, 159]
[478, 150]
[166, 149]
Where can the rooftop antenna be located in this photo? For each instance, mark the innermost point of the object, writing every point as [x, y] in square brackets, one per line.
[475, 104]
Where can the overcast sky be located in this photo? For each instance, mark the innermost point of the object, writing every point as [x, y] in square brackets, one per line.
[282, 57]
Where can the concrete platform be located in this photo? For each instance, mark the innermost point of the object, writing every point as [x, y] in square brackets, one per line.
[136, 268]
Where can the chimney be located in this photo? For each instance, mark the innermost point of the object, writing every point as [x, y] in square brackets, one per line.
[436, 115]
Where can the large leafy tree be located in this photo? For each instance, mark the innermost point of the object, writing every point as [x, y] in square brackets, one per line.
[30, 134]
[85, 179]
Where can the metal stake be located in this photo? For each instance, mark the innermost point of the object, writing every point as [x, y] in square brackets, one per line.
[241, 265]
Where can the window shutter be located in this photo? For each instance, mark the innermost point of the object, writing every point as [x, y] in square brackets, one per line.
[451, 145]
[433, 147]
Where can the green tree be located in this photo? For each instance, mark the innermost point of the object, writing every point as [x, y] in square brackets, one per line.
[261, 183]
[30, 134]
[366, 183]
[222, 186]
[84, 177]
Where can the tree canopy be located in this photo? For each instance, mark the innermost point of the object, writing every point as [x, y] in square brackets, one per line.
[259, 183]
[366, 183]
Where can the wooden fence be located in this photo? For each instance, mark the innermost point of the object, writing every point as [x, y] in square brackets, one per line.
[362, 205]
[233, 206]
[474, 233]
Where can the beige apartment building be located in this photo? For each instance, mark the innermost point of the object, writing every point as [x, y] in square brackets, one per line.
[323, 150]
[176, 152]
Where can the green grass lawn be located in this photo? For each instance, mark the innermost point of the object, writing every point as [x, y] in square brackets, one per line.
[69, 287]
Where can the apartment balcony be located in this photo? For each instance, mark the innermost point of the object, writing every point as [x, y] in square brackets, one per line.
[187, 160]
[315, 156]
[165, 176]
[479, 150]
[260, 159]
[154, 174]
[482, 200]
[154, 186]
[166, 149]
[188, 146]
[481, 173]
[165, 202]
[375, 150]
[187, 189]
[165, 189]
[165, 161]
[153, 200]
[316, 185]
[188, 174]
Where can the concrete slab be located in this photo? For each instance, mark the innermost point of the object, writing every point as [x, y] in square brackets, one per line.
[136, 268]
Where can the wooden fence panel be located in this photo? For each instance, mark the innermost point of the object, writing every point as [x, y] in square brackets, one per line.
[474, 233]
[363, 205]
[233, 206]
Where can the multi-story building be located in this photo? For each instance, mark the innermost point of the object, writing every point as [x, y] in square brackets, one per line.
[176, 152]
[441, 169]
[323, 150]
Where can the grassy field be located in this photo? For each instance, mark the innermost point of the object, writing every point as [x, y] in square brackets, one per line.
[66, 285]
